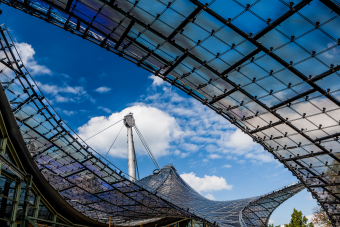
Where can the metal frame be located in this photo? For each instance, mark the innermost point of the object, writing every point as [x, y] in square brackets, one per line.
[257, 213]
[19, 175]
[244, 112]
[244, 212]
[100, 190]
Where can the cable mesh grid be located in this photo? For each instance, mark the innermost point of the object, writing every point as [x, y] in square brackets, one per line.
[269, 67]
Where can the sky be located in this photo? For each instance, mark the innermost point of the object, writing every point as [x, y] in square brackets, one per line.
[92, 88]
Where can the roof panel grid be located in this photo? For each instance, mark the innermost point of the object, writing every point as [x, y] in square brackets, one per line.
[284, 80]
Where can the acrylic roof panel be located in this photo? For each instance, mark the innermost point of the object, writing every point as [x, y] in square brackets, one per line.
[87, 181]
[268, 66]
[98, 189]
[259, 211]
[253, 211]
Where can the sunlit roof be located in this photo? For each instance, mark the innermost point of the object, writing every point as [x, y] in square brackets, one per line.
[268, 66]
[99, 190]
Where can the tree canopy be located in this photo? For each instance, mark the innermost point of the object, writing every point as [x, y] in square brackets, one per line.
[298, 220]
[272, 225]
[320, 218]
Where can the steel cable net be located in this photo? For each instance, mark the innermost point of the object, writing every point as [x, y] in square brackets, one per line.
[258, 212]
[268, 66]
[253, 211]
[85, 179]
[94, 186]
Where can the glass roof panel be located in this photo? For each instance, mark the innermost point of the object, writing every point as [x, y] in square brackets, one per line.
[272, 84]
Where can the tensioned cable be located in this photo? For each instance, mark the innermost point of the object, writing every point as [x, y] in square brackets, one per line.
[134, 151]
[146, 147]
[114, 141]
[103, 130]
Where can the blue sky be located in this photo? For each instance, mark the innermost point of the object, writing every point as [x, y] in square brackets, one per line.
[91, 88]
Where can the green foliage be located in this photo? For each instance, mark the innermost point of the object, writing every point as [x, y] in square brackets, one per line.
[320, 217]
[298, 220]
[272, 225]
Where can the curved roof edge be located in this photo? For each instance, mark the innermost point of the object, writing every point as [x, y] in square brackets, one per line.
[318, 181]
[170, 196]
[54, 198]
[90, 189]
[254, 211]
[257, 213]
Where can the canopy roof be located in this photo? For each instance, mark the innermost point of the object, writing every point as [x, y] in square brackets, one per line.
[268, 66]
[95, 187]
[253, 211]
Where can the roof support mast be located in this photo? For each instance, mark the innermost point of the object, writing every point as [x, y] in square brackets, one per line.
[129, 122]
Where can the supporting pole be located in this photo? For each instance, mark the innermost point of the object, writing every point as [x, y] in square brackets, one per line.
[3, 149]
[27, 195]
[131, 156]
[16, 198]
[54, 220]
[129, 122]
[110, 221]
[37, 202]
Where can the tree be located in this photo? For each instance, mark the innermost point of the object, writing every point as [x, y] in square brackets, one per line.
[298, 220]
[320, 218]
[272, 225]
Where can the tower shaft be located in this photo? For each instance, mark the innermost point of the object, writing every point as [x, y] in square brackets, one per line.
[131, 156]
[129, 122]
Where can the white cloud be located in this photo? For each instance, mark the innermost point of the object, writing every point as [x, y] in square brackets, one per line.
[190, 147]
[164, 117]
[69, 113]
[227, 166]
[158, 128]
[210, 196]
[184, 155]
[241, 161]
[230, 157]
[157, 81]
[310, 218]
[59, 98]
[214, 156]
[271, 221]
[65, 75]
[65, 93]
[181, 154]
[104, 74]
[207, 130]
[206, 184]
[54, 89]
[26, 53]
[103, 90]
[204, 130]
[107, 110]
[332, 52]
[237, 140]
[238, 143]
[310, 197]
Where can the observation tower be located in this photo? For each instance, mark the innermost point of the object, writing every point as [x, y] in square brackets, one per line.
[129, 122]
